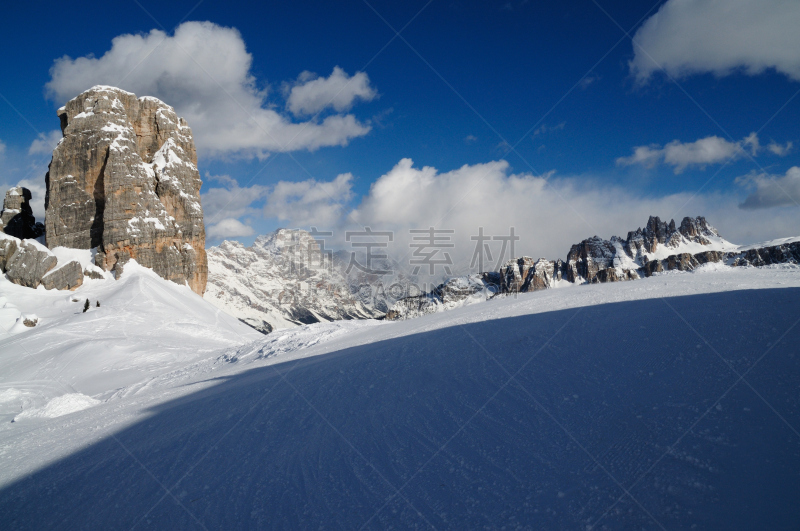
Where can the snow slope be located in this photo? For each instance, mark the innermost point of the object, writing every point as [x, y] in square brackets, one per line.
[145, 326]
[603, 406]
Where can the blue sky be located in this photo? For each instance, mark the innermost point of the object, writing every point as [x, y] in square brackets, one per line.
[560, 81]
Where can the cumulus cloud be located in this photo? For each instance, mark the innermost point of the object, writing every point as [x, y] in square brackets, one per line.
[702, 152]
[45, 143]
[719, 36]
[780, 150]
[303, 203]
[229, 228]
[203, 70]
[310, 202]
[548, 213]
[230, 200]
[772, 190]
[313, 94]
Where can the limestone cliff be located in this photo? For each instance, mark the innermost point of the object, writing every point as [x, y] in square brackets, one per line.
[124, 180]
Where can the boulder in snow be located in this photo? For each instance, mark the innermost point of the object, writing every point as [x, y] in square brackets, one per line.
[29, 263]
[69, 276]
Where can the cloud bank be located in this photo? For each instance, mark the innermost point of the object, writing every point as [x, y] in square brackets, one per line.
[700, 153]
[315, 202]
[223, 205]
[688, 37]
[772, 190]
[203, 70]
[229, 228]
[548, 213]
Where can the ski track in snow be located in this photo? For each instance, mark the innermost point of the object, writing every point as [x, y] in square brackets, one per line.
[594, 405]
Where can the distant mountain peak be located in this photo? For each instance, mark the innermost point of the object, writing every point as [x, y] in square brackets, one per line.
[658, 246]
[284, 279]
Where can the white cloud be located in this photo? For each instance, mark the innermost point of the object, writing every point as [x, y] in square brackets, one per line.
[647, 156]
[311, 95]
[780, 150]
[45, 143]
[310, 202]
[230, 201]
[203, 70]
[709, 150]
[719, 36]
[305, 203]
[549, 214]
[702, 152]
[772, 190]
[2, 148]
[229, 228]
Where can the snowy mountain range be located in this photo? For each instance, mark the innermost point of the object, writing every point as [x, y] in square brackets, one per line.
[286, 279]
[657, 248]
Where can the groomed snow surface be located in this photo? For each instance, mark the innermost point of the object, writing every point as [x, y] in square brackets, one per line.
[670, 402]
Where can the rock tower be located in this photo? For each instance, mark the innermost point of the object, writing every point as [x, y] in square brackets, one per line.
[124, 180]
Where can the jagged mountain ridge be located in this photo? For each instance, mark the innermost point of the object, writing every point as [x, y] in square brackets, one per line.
[283, 280]
[656, 241]
[274, 283]
[656, 248]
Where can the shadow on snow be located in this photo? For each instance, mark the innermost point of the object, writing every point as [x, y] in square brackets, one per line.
[599, 405]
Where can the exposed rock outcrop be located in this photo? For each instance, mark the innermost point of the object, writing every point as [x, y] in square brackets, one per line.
[68, 276]
[17, 217]
[8, 246]
[124, 180]
[28, 263]
[525, 274]
[768, 255]
[658, 247]
[657, 240]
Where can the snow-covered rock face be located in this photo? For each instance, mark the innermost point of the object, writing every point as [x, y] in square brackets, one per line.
[124, 179]
[456, 292]
[283, 280]
[656, 241]
[657, 248]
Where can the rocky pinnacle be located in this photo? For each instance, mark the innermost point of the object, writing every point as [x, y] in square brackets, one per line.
[124, 180]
